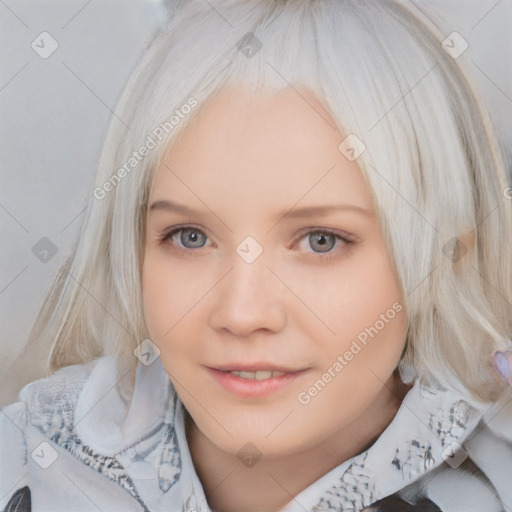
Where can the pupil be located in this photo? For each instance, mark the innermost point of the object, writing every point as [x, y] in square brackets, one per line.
[322, 241]
[191, 238]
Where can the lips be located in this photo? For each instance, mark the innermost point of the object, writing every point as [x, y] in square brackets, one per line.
[254, 380]
[255, 367]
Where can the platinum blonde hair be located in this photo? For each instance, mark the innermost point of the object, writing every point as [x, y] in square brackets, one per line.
[432, 162]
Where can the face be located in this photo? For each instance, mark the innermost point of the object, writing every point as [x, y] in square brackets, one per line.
[267, 285]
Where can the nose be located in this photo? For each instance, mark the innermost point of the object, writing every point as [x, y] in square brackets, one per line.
[250, 298]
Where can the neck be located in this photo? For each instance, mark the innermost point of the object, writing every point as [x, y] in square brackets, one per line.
[271, 483]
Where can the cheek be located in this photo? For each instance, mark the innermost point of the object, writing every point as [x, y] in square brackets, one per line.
[167, 294]
[172, 303]
[352, 296]
[161, 293]
[363, 306]
[153, 297]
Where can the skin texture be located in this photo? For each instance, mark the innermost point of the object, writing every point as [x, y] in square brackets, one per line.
[245, 161]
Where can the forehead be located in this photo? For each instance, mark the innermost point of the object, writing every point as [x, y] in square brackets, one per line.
[246, 149]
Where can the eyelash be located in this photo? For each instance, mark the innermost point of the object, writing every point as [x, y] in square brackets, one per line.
[342, 236]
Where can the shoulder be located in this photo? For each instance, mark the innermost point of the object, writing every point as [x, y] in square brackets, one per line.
[42, 401]
[476, 472]
[44, 411]
[79, 422]
[60, 390]
[43, 397]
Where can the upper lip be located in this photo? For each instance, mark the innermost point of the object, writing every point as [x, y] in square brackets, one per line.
[255, 367]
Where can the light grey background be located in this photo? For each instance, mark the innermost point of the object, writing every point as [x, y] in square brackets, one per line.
[54, 114]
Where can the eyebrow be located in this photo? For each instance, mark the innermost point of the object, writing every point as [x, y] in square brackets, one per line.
[309, 211]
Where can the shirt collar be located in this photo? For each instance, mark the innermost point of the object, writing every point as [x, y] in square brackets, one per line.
[105, 420]
[429, 427]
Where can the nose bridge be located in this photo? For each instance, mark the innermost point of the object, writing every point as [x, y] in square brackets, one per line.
[248, 284]
[249, 298]
[249, 279]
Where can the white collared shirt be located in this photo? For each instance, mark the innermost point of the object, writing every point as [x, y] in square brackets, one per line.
[74, 438]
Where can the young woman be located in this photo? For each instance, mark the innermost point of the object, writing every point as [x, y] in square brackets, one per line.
[293, 287]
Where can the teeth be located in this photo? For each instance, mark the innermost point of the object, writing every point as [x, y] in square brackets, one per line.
[259, 375]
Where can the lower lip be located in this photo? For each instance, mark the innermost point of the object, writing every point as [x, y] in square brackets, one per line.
[252, 388]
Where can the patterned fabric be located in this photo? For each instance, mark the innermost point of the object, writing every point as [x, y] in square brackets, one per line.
[20, 501]
[394, 503]
[58, 426]
[356, 490]
[54, 417]
[402, 471]
[169, 461]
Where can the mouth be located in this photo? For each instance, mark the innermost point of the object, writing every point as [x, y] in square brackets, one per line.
[254, 381]
[259, 375]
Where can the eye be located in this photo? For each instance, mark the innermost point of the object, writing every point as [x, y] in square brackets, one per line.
[324, 242]
[185, 238]
[192, 238]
